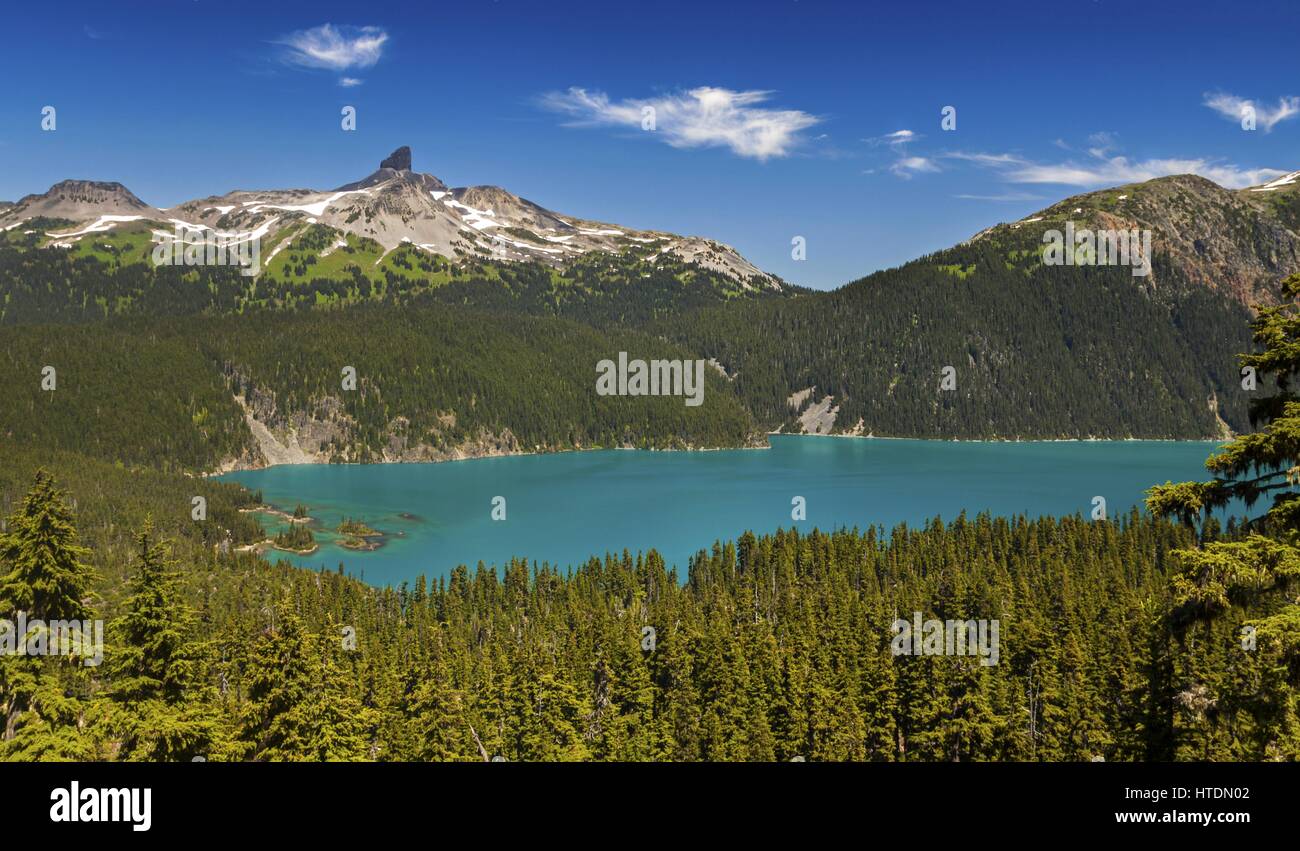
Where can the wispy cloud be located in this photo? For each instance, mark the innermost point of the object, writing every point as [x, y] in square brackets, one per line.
[908, 166]
[904, 165]
[984, 159]
[335, 48]
[1234, 108]
[1102, 143]
[1006, 196]
[896, 139]
[349, 82]
[1102, 168]
[701, 117]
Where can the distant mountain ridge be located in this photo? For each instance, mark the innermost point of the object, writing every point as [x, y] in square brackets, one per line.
[394, 206]
[1239, 242]
[78, 200]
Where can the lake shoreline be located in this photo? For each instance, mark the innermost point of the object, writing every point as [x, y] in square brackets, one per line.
[704, 449]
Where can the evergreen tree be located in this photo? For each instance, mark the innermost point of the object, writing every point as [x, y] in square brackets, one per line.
[44, 699]
[157, 686]
[279, 683]
[45, 574]
[1214, 582]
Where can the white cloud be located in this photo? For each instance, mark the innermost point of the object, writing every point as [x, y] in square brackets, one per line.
[702, 117]
[1234, 108]
[349, 82]
[335, 48]
[1103, 169]
[907, 166]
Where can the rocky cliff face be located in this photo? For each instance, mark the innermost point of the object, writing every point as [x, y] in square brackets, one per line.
[399, 159]
[325, 433]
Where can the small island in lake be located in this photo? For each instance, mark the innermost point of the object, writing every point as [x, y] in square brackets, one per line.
[356, 535]
[296, 539]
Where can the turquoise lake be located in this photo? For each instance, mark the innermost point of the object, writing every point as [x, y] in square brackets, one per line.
[565, 507]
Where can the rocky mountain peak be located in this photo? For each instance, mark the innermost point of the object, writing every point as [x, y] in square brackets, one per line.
[399, 160]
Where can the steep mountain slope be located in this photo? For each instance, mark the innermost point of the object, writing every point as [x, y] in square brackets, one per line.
[1036, 350]
[1237, 242]
[395, 207]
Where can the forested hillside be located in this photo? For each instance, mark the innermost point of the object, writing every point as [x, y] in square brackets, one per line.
[776, 647]
[162, 392]
[1037, 351]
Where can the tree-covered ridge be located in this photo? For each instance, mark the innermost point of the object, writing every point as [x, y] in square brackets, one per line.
[1037, 351]
[531, 376]
[776, 647]
[163, 391]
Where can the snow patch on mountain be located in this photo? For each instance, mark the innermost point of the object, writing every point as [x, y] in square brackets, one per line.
[1284, 180]
[315, 208]
[101, 224]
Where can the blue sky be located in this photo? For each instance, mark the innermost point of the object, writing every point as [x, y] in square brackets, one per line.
[773, 119]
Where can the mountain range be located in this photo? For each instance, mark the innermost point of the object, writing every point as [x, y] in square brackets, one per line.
[394, 206]
[474, 319]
